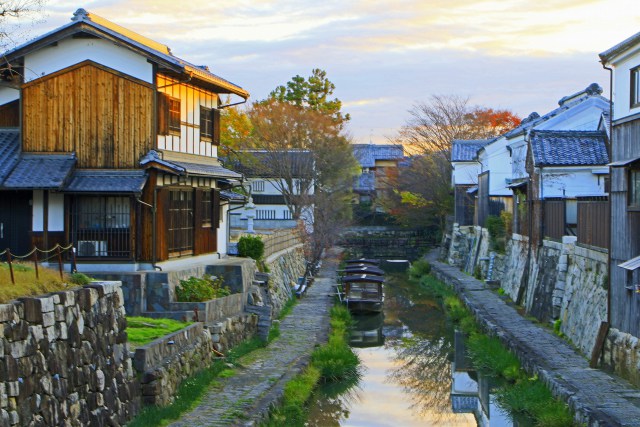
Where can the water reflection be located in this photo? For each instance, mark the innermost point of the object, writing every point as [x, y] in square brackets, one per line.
[414, 371]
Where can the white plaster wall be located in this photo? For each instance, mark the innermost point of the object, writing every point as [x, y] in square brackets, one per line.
[72, 51]
[56, 212]
[37, 210]
[622, 82]
[571, 183]
[518, 157]
[583, 116]
[8, 94]
[497, 159]
[222, 236]
[465, 172]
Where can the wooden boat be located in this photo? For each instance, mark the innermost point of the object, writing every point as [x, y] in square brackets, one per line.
[363, 293]
[368, 261]
[356, 269]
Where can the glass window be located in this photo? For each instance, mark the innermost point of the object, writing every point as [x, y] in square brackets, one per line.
[206, 123]
[635, 87]
[207, 208]
[174, 114]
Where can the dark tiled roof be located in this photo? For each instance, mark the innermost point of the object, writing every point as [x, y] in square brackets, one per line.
[467, 150]
[46, 171]
[9, 151]
[569, 148]
[182, 167]
[232, 196]
[367, 154]
[106, 181]
[258, 163]
[620, 47]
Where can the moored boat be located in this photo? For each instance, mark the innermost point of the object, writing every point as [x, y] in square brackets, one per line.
[363, 293]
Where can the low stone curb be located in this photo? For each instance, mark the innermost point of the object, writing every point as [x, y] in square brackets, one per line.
[596, 397]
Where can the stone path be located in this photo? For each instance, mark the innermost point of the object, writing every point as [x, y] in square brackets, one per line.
[244, 399]
[598, 398]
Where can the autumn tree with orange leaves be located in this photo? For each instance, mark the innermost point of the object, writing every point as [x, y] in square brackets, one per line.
[423, 196]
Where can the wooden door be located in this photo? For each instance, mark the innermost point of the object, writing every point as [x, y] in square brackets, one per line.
[180, 223]
[15, 222]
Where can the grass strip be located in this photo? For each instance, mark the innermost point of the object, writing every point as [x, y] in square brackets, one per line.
[331, 362]
[26, 283]
[519, 393]
[143, 330]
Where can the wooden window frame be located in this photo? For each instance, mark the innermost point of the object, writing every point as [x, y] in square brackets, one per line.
[633, 205]
[634, 86]
[206, 205]
[174, 113]
[206, 123]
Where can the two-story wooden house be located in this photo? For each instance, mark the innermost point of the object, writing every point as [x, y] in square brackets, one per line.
[111, 144]
[624, 270]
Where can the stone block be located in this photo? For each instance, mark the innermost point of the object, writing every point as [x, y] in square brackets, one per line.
[13, 388]
[48, 319]
[59, 313]
[87, 298]
[6, 312]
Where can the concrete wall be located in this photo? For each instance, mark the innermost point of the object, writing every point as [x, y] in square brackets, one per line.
[65, 359]
[556, 281]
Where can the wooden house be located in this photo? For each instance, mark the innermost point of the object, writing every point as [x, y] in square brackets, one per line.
[112, 146]
[624, 273]
[378, 170]
[465, 169]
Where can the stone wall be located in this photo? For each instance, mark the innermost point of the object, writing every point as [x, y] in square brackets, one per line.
[166, 362]
[555, 281]
[65, 359]
[622, 355]
[284, 269]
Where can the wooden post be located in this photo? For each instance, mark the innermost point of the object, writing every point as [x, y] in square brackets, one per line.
[598, 347]
[59, 252]
[35, 261]
[13, 280]
[74, 266]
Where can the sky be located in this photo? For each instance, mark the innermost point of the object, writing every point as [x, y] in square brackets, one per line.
[384, 56]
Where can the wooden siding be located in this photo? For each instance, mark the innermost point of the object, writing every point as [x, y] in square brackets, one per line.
[593, 222]
[10, 114]
[103, 116]
[483, 199]
[625, 229]
[554, 219]
[206, 238]
[464, 204]
[191, 98]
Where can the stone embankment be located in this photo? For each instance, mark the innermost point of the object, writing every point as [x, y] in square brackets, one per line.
[246, 397]
[597, 398]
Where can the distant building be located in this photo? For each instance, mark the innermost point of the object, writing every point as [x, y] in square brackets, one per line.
[465, 169]
[378, 169]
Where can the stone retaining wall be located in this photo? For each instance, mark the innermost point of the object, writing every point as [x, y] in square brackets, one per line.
[65, 359]
[166, 362]
[622, 355]
[284, 269]
[555, 281]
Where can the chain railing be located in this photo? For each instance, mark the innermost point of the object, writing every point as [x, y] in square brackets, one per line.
[56, 252]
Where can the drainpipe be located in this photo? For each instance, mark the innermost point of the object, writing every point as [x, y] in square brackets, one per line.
[610, 152]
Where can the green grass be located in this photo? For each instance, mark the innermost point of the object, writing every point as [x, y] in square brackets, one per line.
[330, 362]
[519, 393]
[287, 308]
[143, 330]
[26, 283]
[192, 390]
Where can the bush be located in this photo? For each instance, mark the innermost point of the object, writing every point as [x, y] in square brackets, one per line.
[251, 247]
[419, 268]
[79, 279]
[497, 232]
[201, 289]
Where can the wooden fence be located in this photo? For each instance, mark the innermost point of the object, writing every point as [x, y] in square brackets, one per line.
[594, 221]
[555, 221]
[280, 240]
[46, 255]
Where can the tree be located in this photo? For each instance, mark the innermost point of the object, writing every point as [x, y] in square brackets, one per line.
[15, 9]
[313, 94]
[235, 130]
[423, 193]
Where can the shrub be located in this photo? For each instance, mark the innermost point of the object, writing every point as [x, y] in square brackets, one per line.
[419, 268]
[201, 289]
[79, 279]
[497, 232]
[251, 247]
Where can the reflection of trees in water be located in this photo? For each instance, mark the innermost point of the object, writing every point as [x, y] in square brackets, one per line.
[423, 368]
[423, 371]
[333, 400]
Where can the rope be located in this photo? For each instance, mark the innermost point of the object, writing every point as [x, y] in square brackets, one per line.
[36, 249]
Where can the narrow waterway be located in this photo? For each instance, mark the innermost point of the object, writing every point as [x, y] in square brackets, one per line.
[411, 374]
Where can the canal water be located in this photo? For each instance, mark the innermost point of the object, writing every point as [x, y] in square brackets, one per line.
[413, 372]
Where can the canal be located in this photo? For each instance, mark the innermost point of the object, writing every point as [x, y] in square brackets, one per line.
[413, 372]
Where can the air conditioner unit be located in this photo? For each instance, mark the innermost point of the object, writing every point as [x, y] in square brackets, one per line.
[92, 248]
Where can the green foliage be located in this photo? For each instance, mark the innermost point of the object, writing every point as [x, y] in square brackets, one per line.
[489, 355]
[79, 279]
[532, 398]
[557, 325]
[196, 289]
[497, 232]
[251, 247]
[507, 220]
[419, 268]
[287, 308]
[143, 330]
[501, 291]
[477, 272]
[336, 360]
